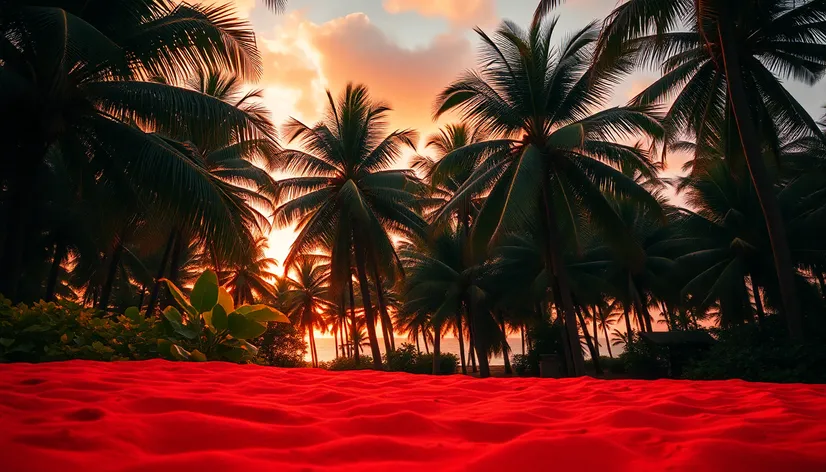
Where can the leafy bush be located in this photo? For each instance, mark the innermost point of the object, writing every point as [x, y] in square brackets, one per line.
[521, 364]
[402, 359]
[408, 359]
[211, 327]
[348, 363]
[448, 363]
[760, 354]
[644, 361]
[48, 331]
[282, 345]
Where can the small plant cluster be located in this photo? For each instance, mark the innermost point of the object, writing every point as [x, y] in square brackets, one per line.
[207, 327]
[46, 331]
[211, 327]
[404, 359]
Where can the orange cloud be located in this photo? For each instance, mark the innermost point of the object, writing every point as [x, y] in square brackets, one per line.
[304, 58]
[461, 13]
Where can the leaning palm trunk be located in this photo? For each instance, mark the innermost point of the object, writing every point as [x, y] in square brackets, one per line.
[156, 288]
[557, 266]
[750, 140]
[506, 349]
[114, 263]
[353, 333]
[369, 315]
[590, 342]
[437, 344]
[461, 338]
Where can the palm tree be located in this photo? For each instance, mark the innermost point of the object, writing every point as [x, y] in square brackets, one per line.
[308, 296]
[552, 158]
[725, 71]
[605, 318]
[253, 280]
[347, 199]
[75, 78]
[441, 192]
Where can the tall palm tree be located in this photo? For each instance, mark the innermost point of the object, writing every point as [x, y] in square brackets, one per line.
[440, 192]
[308, 296]
[725, 71]
[347, 199]
[552, 157]
[252, 280]
[74, 77]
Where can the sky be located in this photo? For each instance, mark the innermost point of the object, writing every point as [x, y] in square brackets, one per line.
[405, 51]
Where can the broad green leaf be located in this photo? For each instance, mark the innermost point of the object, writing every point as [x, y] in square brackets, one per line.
[197, 356]
[241, 327]
[173, 315]
[205, 292]
[207, 316]
[264, 313]
[219, 318]
[233, 354]
[7, 342]
[180, 298]
[133, 314]
[180, 353]
[252, 349]
[225, 300]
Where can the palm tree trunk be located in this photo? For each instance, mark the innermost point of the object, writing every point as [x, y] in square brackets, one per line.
[506, 349]
[437, 344]
[596, 334]
[353, 324]
[175, 260]
[461, 337]
[418, 348]
[141, 297]
[472, 353]
[60, 251]
[106, 292]
[821, 282]
[627, 315]
[557, 266]
[335, 339]
[749, 139]
[522, 333]
[313, 354]
[369, 315]
[385, 318]
[156, 288]
[641, 309]
[589, 342]
[607, 340]
[758, 302]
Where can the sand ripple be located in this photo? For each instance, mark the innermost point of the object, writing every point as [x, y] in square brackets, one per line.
[162, 416]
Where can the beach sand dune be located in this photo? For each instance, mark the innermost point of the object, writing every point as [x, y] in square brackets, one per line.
[163, 416]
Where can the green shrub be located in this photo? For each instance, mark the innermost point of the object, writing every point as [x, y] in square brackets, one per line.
[47, 331]
[761, 354]
[211, 327]
[348, 363]
[402, 359]
[448, 363]
[282, 345]
[408, 359]
[644, 361]
[521, 364]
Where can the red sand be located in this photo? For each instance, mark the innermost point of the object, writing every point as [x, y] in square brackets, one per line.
[162, 416]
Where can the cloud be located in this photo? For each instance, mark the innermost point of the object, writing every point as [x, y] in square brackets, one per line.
[457, 12]
[303, 58]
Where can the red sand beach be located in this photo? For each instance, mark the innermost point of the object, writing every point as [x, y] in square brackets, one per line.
[162, 416]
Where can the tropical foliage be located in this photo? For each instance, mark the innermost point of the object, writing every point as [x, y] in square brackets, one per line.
[139, 158]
